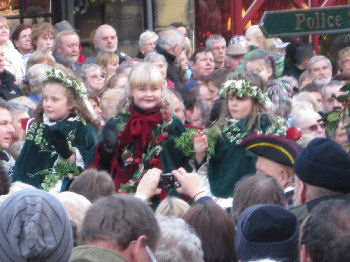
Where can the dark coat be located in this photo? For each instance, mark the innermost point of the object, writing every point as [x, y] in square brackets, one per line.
[173, 73]
[8, 89]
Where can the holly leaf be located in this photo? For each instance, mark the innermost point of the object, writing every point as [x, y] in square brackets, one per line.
[332, 116]
[345, 87]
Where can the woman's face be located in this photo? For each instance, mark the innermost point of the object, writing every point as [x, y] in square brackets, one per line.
[259, 67]
[240, 107]
[45, 42]
[4, 32]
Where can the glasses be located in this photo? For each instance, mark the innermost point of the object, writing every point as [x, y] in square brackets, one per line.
[97, 76]
[314, 127]
[148, 251]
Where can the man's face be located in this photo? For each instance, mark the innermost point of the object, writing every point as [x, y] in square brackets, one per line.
[345, 65]
[107, 39]
[321, 73]
[329, 102]
[219, 50]
[6, 129]
[233, 62]
[68, 48]
[271, 168]
[17, 124]
[312, 124]
[204, 64]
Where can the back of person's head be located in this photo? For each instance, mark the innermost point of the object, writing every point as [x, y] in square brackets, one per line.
[299, 52]
[178, 242]
[119, 219]
[35, 76]
[267, 231]
[170, 37]
[189, 98]
[216, 230]
[325, 235]
[34, 227]
[324, 164]
[40, 57]
[256, 189]
[280, 95]
[76, 206]
[172, 206]
[93, 184]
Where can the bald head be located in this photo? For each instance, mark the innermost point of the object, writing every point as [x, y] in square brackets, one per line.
[106, 38]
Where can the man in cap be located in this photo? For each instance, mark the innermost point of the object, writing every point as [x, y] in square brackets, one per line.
[267, 231]
[322, 171]
[234, 55]
[276, 156]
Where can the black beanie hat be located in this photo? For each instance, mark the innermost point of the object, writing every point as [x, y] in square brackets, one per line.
[324, 163]
[267, 231]
[275, 148]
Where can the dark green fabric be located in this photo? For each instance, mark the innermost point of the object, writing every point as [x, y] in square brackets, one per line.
[32, 159]
[231, 161]
[171, 157]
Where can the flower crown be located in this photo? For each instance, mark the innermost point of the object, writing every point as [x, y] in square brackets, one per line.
[57, 75]
[242, 88]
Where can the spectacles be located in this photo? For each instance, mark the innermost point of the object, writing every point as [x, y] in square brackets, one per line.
[314, 127]
[148, 251]
[97, 76]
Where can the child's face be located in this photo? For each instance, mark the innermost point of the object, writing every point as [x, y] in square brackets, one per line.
[112, 67]
[45, 42]
[240, 107]
[259, 67]
[147, 96]
[55, 102]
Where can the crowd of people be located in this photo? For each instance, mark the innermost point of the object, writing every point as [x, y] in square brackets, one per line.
[214, 154]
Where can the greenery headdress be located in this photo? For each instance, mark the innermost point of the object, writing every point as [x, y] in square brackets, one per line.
[243, 88]
[57, 75]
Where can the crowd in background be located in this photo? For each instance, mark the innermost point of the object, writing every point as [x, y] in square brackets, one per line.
[213, 154]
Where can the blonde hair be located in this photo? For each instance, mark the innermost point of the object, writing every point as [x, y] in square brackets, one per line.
[255, 32]
[172, 206]
[143, 73]
[106, 58]
[38, 57]
[109, 102]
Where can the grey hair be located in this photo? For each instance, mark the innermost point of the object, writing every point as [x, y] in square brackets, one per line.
[317, 58]
[87, 67]
[16, 108]
[145, 36]
[58, 38]
[103, 27]
[170, 37]
[35, 75]
[331, 83]
[178, 241]
[155, 56]
[214, 38]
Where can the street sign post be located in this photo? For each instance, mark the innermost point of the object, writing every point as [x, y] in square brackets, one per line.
[309, 21]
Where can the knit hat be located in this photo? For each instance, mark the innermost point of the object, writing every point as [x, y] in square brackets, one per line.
[324, 163]
[34, 227]
[274, 148]
[267, 231]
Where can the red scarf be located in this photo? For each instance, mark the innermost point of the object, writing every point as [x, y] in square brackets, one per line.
[138, 131]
